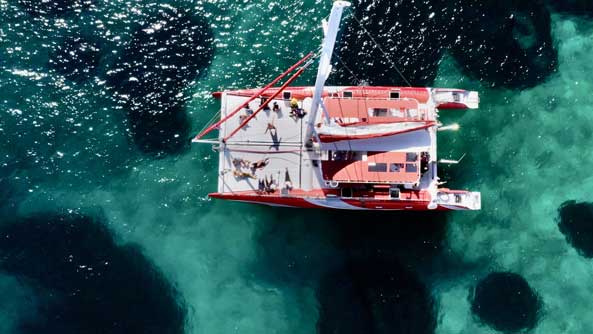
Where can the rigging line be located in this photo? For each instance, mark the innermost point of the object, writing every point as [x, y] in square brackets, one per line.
[253, 97]
[382, 51]
[211, 121]
[348, 69]
[282, 88]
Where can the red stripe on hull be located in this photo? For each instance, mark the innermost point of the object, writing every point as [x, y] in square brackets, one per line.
[452, 105]
[356, 204]
[295, 202]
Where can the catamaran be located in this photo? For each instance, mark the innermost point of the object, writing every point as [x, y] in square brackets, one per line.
[348, 147]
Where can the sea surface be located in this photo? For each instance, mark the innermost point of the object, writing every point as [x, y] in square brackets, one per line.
[105, 223]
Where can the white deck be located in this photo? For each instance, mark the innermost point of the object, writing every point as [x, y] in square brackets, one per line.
[287, 150]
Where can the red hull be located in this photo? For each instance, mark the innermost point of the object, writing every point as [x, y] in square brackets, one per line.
[332, 203]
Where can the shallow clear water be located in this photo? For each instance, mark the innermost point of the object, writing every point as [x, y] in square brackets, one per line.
[78, 153]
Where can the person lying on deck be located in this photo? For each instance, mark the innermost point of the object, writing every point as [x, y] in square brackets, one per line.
[242, 174]
[260, 164]
[238, 163]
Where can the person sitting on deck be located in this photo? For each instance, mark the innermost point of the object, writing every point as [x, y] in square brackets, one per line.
[261, 186]
[270, 185]
[287, 182]
[276, 107]
[264, 102]
[248, 110]
[295, 111]
[272, 128]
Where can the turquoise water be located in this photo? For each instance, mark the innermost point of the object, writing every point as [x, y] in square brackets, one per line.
[106, 224]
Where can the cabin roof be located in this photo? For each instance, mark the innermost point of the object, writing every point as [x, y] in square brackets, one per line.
[374, 110]
[379, 167]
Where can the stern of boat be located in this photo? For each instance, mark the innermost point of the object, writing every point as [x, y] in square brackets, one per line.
[458, 200]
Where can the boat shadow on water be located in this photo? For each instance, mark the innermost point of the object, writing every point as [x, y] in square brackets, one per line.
[84, 281]
[366, 267]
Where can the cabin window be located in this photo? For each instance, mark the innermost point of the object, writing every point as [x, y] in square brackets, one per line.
[396, 167]
[341, 155]
[394, 193]
[287, 95]
[411, 168]
[411, 157]
[347, 94]
[456, 97]
[378, 112]
[378, 167]
[394, 95]
[347, 192]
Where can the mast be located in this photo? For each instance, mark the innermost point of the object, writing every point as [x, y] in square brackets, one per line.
[327, 49]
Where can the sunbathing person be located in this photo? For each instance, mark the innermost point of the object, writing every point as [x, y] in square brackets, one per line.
[242, 174]
[260, 164]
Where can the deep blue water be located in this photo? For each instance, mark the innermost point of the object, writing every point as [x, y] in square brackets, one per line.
[105, 224]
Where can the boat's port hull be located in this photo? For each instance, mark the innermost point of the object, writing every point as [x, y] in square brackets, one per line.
[335, 202]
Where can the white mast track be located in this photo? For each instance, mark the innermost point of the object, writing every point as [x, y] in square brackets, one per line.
[327, 49]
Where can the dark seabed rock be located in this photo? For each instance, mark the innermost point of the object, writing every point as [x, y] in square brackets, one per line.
[87, 282]
[575, 7]
[165, 55]
[506, 43]
[306, 246]
[76, 58]
[506, 302]
[576, 223]
[159, 132]
[501, 43]
[375, 297]
[388, 235]
[52, 7]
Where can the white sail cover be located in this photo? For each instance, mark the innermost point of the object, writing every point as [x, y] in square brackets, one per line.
[333, 132]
